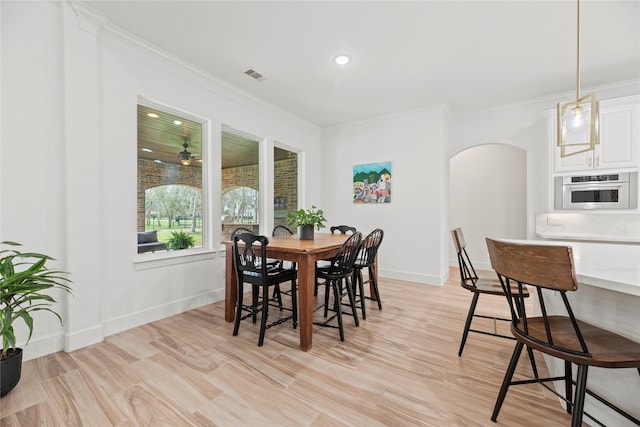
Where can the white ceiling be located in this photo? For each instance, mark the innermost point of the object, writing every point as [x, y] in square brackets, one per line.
[406, 55]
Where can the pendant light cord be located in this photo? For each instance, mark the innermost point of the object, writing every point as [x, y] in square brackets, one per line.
[578, 55]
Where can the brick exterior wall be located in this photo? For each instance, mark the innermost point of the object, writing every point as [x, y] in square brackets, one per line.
[152, 174]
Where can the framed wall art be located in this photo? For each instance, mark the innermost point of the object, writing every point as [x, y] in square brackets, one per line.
[372, 183]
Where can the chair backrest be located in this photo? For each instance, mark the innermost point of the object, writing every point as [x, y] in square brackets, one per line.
[342, 263]
[250, 255]
[240, 230]
[343, 229]
[468, 275]
[542, 267]
[281, 230]
[369, 247]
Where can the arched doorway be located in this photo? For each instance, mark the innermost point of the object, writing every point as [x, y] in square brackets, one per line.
[488, 197]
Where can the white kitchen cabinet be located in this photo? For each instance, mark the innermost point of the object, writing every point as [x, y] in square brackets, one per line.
[619, 146]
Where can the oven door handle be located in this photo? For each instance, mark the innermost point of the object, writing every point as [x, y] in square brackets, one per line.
[594, 187]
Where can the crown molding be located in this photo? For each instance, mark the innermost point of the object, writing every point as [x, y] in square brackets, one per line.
[115, 37]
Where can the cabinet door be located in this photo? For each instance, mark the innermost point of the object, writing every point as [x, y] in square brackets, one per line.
[619, 136]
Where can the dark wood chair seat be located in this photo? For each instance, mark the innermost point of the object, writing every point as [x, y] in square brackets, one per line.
[485, 285]
[606, 349]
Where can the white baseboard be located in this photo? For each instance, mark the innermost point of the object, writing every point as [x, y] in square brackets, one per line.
[140, 318]
[428, 279]
[75, 340]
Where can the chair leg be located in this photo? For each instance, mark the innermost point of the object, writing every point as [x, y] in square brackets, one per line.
[336, 298]
[236, 321]
[578, 404]
[352, 300]
[534, 367]
[467, 324]
[326, 297]
[358, 286]
[254, 302]
[265, 313]
[568, 386]
[507, 380]
[294, 302]
[278, 295]
[374, 282]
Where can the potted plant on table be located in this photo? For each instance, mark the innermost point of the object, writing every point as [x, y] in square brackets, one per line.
[307, 220]
[24, 278]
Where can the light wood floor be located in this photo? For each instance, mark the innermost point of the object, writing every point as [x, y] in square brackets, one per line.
[399, 368]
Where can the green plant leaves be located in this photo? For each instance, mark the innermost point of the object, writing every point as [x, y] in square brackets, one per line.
[311, 216]
[180, 240]
[23, 279]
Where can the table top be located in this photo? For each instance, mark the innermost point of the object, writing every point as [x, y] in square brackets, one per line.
[293, 244]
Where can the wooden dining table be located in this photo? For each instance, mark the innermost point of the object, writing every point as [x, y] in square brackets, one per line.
[303, 252]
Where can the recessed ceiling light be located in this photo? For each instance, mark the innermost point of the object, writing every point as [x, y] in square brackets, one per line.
[148, 150]
[177, 122]
[158, 161]
[342, 59]
[153, 115]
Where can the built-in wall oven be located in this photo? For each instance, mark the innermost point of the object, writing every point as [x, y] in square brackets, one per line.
[609, 191]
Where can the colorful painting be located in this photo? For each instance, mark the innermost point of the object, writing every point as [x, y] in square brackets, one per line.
[372, 183]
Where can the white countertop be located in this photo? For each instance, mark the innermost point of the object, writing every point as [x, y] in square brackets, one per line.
[605, 265]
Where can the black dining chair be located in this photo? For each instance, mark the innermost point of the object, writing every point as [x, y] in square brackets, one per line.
[338, 273]
[250, 255]
[366, 260]
[485, 285]
[341, 229]
[562, 336]
[280, 230]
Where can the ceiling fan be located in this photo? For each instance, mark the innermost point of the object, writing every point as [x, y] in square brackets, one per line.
[185, 156]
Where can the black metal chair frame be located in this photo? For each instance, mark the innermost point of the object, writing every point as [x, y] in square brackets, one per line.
[366, 259]
[469, 280]
[561, 278]
[251, 267]
[339, 271]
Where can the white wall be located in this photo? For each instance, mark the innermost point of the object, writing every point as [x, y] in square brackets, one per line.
[415, 245]
[68, 180]
[487, 197]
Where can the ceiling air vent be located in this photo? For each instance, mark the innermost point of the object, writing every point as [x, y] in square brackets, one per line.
[253, 73]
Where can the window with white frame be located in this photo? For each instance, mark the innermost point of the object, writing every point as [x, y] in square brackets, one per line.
[170, 179]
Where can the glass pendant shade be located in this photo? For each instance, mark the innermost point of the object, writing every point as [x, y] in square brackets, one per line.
[578, 129]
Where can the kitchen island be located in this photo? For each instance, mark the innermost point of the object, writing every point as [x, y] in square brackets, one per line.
[608, 296]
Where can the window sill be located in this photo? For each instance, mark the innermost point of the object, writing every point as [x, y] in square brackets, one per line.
[164, 259]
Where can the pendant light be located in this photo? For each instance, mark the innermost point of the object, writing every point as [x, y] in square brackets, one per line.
[578, 129]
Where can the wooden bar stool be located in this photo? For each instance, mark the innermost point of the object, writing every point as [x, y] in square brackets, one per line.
[561, 336]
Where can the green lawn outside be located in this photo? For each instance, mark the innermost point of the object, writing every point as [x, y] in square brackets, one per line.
[164, 232]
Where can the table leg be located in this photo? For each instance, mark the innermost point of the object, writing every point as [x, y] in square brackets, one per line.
[230, 287]
[306, 283]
